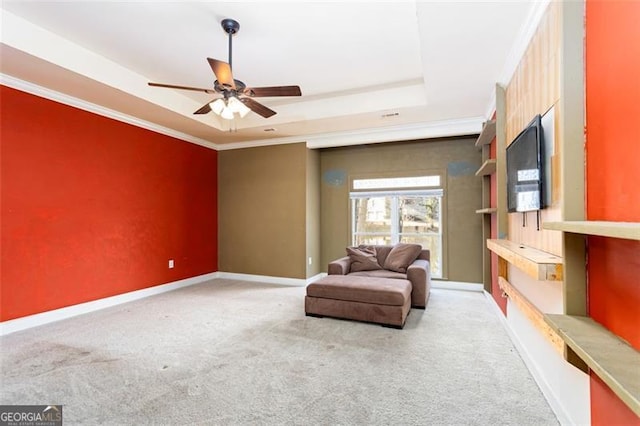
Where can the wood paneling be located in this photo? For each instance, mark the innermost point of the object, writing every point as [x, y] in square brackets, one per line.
[534, 89]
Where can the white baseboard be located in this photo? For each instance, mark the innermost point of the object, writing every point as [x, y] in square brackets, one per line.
[532, 366]
[295, 282]
[316, 277]
[35, 320]
[300, 282]
[456, 285]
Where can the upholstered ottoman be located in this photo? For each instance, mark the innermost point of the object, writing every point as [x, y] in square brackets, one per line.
[385, 301]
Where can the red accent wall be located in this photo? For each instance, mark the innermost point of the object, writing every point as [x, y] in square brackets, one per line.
[603, 411]
[93, 207]
[613, 173]
[614, 286]
[496, 292]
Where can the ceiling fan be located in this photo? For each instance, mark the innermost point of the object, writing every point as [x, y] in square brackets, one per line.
[236, 96]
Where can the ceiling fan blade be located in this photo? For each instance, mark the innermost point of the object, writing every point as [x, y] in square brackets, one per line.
[204, 109]
[173, 86]
[257, 107]
[273, 91]
[222, 70]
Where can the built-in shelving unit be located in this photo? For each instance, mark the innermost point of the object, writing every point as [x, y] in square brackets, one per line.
[487, 168]
[534, 314]
[612, 359]
[487, 134]
[627, 230]
[536, 263]
[488, 210]
[584, 343]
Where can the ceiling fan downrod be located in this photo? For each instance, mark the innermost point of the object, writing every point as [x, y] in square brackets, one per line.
[230, 26]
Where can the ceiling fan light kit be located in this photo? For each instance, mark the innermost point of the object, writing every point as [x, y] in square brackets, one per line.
[238, 107]
[217, 106]
[236, 96]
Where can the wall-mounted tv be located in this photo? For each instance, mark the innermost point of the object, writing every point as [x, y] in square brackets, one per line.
[525, 169]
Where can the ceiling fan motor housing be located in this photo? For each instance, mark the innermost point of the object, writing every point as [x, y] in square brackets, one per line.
[221, 88]
[230, 26]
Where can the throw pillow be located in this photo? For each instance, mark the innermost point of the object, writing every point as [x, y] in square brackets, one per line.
[363, 259]
[401, 256]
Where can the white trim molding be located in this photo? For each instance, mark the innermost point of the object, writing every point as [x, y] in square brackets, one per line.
[519, 47]
[548, 393]
[521, 43]
[316, 278]
[260, 142]
[427, 130]
[560, 410]
[35, 320]
[405, 132]
[294, 282]
[435, 129]
[456, 285]
[65, 99]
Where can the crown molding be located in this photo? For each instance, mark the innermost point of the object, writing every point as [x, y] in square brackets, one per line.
[427, 130]
[521, 42]
[492, 105]
[445, 128]
[260, 142]
[65, 99]
[405, 132]
[519, 47]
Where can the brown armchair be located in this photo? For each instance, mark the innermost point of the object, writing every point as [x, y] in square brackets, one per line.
[418, 273]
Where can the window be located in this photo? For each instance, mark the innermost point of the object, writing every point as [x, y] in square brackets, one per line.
[408, 216]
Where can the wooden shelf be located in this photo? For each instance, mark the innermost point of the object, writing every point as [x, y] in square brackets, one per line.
[487, 210]
[612, 359]
[487, 134]
[536, 263]
[534, 314]
[487, 168]
[627, 230]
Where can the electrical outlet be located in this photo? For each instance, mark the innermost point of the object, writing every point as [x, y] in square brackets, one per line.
[170, 263]
[310, 260]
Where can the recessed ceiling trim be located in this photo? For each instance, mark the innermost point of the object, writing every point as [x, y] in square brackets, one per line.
[259, 143]
[358, 137]
[62, 98]
[436, 129]
[24, 36]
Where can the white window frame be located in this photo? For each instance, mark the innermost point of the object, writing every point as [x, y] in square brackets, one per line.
[395, 211]
[383, 187]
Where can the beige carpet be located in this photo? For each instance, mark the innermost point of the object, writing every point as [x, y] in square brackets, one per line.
[233, 352]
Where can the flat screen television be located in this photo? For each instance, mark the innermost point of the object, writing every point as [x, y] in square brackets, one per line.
[525, 170]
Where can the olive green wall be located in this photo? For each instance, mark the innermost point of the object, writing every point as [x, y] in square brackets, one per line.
[313, 212]
[262, 210]
[455, 159]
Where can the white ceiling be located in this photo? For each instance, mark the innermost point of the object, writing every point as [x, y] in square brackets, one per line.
[433, 63]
